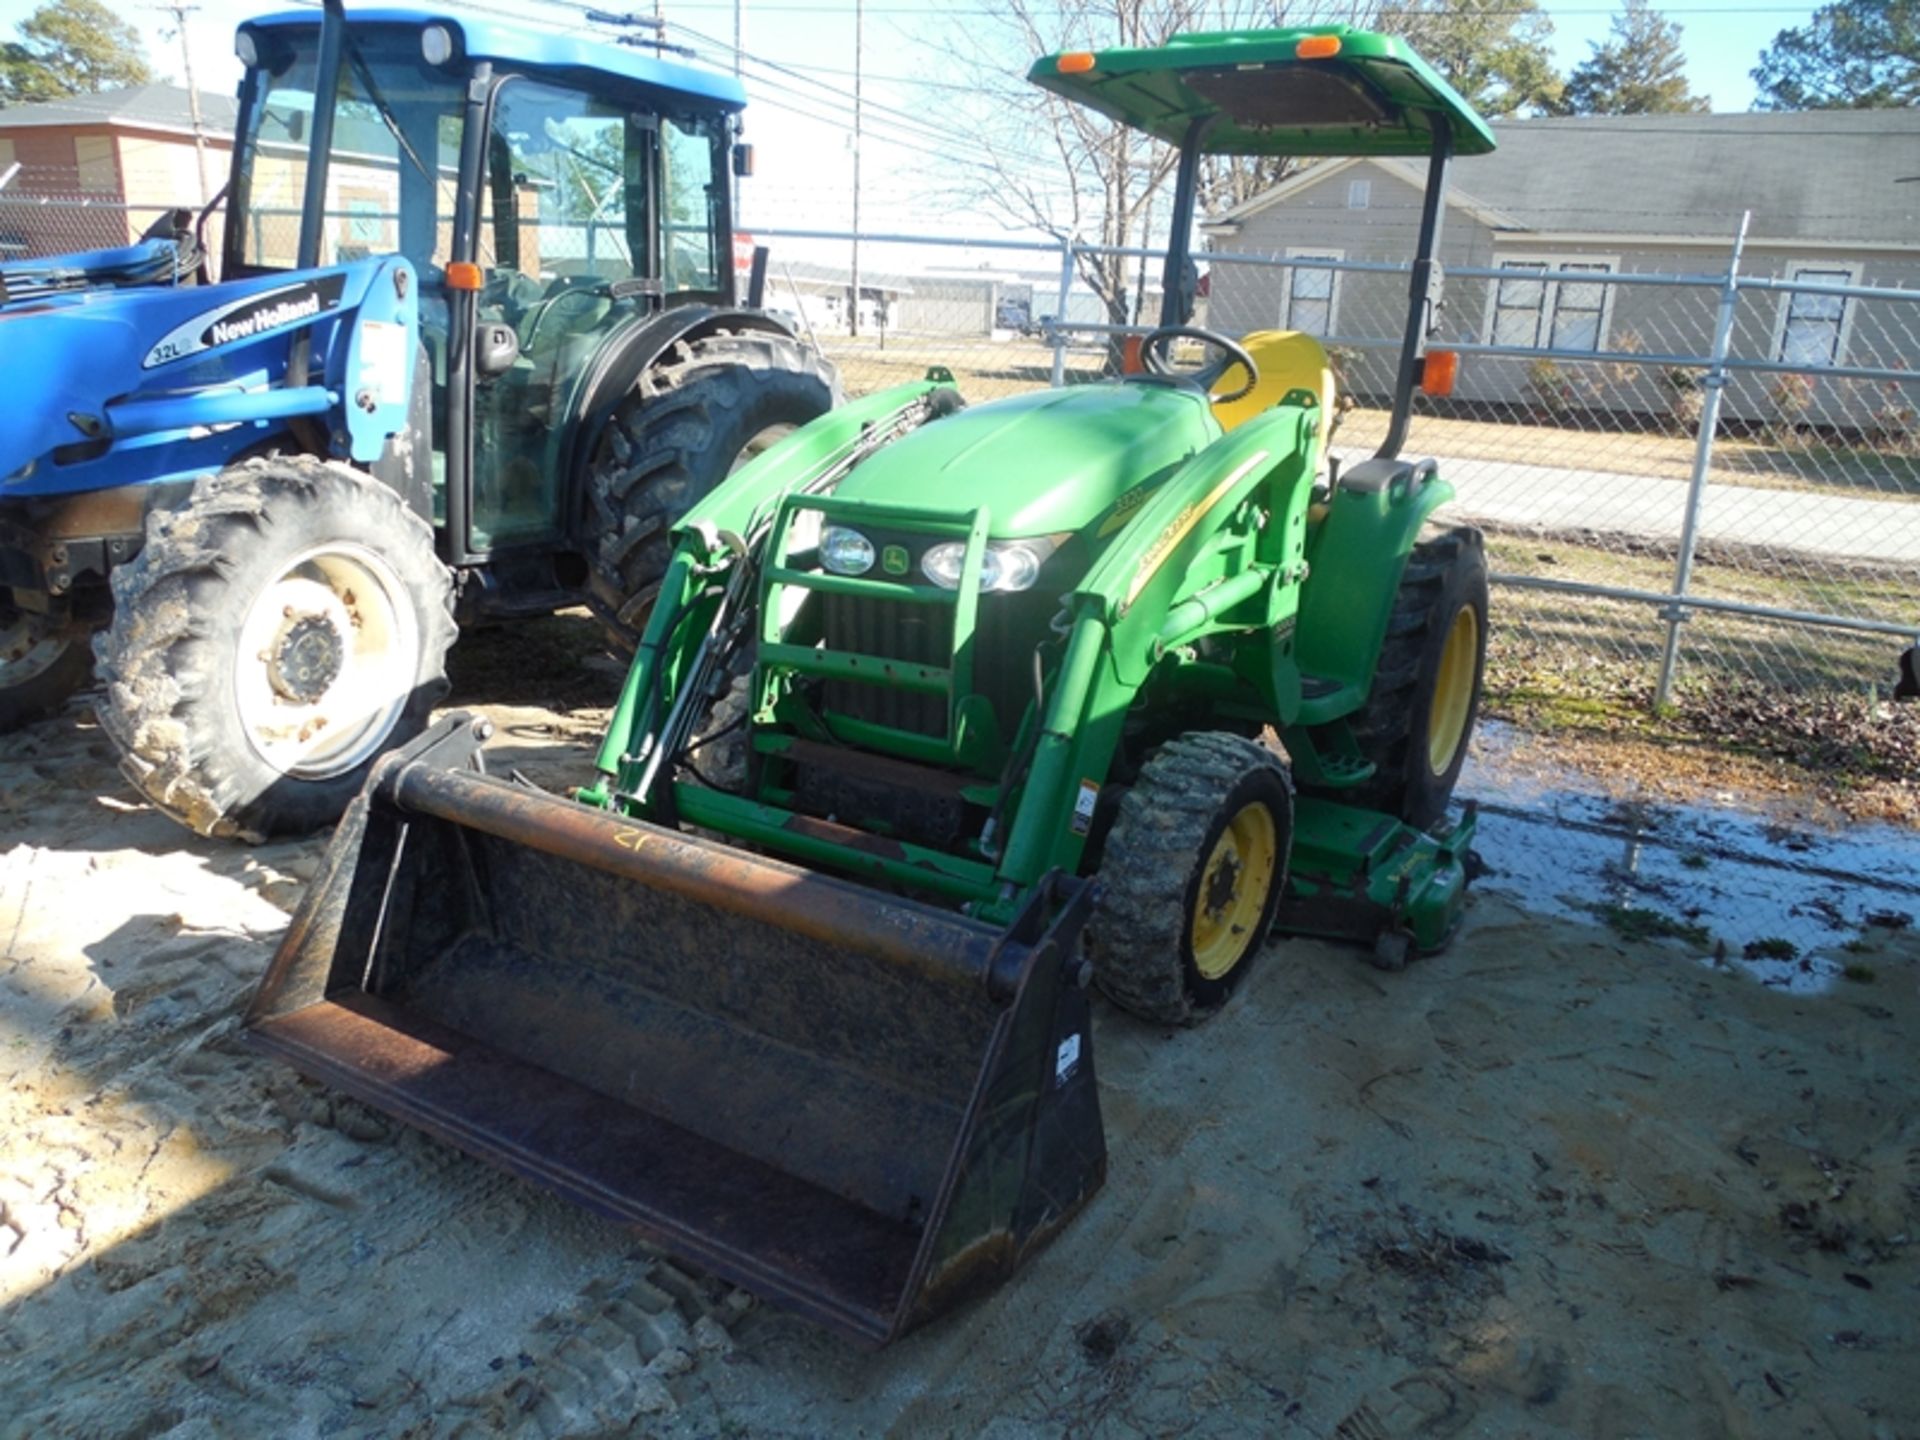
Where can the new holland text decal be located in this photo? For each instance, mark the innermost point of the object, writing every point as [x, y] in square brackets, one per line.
[244, 319]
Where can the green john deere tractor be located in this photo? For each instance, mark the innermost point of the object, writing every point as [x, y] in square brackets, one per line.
[942, 714]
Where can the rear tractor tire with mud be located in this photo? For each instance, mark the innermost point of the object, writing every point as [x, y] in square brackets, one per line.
[279, 631]
[1191, 874]
[705, 409]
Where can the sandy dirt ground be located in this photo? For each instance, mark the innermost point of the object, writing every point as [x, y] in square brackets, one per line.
[1551, 1182]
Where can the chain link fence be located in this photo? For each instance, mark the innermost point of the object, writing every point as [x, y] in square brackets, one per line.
[1685, 478]
[47, 210]
[1704, 478]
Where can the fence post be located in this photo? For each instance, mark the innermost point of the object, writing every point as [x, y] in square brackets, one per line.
[1713, 383]
[1060, 313]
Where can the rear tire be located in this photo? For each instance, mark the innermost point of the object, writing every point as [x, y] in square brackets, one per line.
[38, 671]
[695, 417]
[277, 633]
[1191, 875]
[1419, 716]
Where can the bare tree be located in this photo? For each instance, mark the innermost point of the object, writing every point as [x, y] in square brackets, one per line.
[1063, 168]
[1066, 169]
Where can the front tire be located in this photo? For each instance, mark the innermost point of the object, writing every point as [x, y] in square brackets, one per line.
[276, 634]
[1190, 877]
[709, 406]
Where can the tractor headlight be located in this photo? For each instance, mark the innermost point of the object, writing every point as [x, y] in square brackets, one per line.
[245, 48]
[1006, 565]
[436, 44]
[844, 551]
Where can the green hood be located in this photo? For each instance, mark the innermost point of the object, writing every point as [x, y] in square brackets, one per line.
[1042, 463]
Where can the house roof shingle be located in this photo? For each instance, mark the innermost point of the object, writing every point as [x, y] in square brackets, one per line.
[138, 107]
[1825, 175]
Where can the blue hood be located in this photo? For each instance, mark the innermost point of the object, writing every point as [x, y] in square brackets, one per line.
[69, 358]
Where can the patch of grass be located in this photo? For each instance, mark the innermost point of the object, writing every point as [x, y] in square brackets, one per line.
[1771, 947]
[1860, 974]
[1637, 923]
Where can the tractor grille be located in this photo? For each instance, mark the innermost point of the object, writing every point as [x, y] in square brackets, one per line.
[914, 634]
[923, 635]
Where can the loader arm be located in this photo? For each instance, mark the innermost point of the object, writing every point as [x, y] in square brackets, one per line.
[1194, 560]
[714, 536]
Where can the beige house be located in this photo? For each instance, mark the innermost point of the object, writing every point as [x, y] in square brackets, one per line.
[94, 171]
[1606, 195]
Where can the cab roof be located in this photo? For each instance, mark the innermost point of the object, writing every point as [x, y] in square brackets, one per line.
[538, 49]
[1318, 90]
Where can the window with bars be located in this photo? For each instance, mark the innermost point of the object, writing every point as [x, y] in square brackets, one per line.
[1312, 294]
[1813, 328]
[1541, 314]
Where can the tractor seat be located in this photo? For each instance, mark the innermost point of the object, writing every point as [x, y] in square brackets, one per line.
[1287, 360]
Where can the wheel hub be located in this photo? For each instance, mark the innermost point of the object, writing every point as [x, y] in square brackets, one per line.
[325, 661]
[1223, 882]
[306, 658]
[1232, 894]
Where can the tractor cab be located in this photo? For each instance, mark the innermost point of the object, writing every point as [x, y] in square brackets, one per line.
[1318, 91]
[475, 334]
[547, 193]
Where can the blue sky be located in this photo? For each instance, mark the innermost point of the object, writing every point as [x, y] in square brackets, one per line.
[798, 117]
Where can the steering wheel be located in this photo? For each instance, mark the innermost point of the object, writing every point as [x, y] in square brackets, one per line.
[1153, 356]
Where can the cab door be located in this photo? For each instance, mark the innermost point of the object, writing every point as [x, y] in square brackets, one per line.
[565, 260]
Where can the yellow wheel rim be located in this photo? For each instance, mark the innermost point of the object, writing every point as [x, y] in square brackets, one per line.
[1233, 890]
[1453, 691]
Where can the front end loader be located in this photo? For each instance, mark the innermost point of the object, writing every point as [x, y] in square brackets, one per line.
[941, 716]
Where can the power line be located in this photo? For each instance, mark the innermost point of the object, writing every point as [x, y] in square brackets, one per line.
[925, 139]
[904, 120]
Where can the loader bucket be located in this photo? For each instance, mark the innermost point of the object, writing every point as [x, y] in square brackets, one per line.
[860, 1107]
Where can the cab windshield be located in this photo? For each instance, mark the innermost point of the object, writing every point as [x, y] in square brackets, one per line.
[396, 150]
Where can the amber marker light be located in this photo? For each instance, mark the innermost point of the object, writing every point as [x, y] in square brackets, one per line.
[1317, 47]
[1075, 62]
[1438, 370]
[463, 275]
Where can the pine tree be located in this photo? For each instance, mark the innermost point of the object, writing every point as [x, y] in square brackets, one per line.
[1640, 70]
[1496, 53]
[70, 47]
[1853, 55]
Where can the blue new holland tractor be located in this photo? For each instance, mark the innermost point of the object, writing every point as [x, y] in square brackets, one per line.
[474, 347]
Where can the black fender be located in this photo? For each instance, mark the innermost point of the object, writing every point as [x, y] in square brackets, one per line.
[626, 356]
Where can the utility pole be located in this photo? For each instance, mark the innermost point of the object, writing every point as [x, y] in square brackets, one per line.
[738, 40]
[859, 31]
[180, 11]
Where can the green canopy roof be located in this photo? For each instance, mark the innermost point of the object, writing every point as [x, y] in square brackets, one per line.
[1362, 94]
